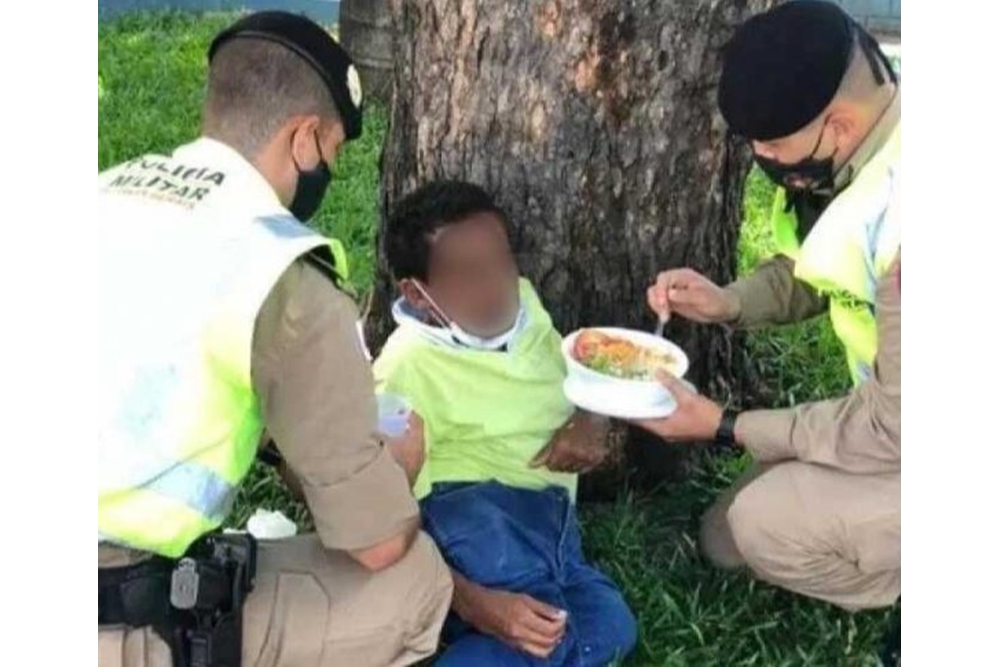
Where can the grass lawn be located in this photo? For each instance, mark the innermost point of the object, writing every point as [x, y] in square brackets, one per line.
[150, 78]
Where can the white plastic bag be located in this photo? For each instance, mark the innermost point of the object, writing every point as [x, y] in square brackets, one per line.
[268, 525]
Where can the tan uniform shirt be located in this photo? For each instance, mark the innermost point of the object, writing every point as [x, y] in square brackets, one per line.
[858, 433]
[317, 398]
[773, 295]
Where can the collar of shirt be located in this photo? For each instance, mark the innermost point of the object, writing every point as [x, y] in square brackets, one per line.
[243, 188]
[416, 321]
[872, 143]
[406, 316]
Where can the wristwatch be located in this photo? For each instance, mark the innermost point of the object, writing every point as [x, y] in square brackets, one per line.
[726, 435]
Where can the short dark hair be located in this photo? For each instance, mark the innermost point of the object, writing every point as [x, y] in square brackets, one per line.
[254, 86]
[415, 219]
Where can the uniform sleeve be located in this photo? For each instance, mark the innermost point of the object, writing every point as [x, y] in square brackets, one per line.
[859, 433]
[316, 393]
[772, 295]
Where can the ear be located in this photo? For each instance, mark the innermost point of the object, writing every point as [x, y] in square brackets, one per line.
[304, 136]
[413, 295]
[845, 128]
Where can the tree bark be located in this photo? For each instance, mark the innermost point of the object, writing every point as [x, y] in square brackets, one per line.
[365, 33]
[594, 123]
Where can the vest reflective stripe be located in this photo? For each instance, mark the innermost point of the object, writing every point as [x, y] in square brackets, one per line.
[849, 249]
[180, 422]
[144, 520]
[852, 317]
[198, 487]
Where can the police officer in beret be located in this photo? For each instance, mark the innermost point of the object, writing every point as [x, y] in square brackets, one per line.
[220, 316]
[819, 511]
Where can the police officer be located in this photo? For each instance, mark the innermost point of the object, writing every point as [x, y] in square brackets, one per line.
[220, 316]
[819, 512]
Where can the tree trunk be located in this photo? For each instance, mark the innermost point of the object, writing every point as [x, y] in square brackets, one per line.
[364, 29]
[594, 123]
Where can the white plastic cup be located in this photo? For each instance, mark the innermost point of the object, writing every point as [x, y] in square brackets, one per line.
[393, 415]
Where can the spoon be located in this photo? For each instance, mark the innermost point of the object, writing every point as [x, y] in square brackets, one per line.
[658, 331]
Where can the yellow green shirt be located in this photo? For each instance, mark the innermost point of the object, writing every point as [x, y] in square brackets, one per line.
[486, 414]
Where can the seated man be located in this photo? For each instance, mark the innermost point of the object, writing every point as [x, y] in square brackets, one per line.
[475, 353]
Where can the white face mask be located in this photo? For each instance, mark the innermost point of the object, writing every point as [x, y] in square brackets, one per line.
[463, 337]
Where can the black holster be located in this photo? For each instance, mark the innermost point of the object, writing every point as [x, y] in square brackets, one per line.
[195, 603]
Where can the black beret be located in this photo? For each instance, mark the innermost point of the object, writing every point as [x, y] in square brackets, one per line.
[783, 67]
[316, 46]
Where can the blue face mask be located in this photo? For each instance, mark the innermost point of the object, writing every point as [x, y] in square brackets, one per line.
[470, 340]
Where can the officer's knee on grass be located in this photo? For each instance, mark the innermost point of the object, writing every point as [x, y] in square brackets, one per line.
[762, 525]
[715, 539]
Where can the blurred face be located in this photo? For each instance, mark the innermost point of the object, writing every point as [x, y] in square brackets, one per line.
[472, 276]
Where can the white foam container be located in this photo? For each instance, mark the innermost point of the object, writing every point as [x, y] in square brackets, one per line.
[619, 397]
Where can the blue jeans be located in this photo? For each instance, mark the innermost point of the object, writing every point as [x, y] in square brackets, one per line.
[526, 541]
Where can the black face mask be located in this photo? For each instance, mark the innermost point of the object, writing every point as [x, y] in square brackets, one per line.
[311, 187]
[809, 174]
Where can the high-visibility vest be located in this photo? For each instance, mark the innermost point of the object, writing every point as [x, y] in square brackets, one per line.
[849, 249]
[180, 289]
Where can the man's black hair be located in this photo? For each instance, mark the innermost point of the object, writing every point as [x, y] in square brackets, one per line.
[419, 215]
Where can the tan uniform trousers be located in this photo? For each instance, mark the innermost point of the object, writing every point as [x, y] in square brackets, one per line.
[813, 530]
[312, 607]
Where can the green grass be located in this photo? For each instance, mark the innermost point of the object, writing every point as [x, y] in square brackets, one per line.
[151, 79]
[692, 614]
[151, 72]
